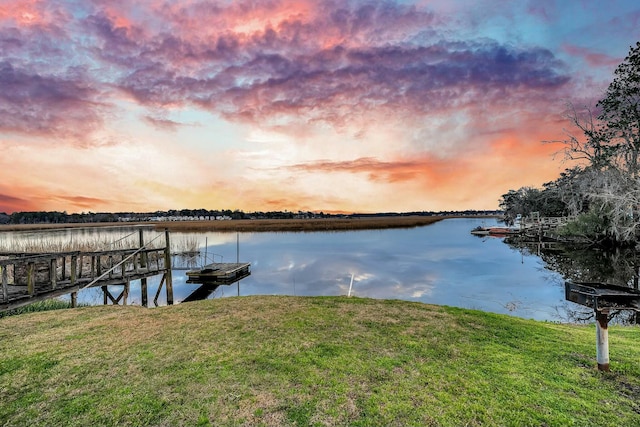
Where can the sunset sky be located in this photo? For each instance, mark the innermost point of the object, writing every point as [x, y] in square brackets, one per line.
[321, 105]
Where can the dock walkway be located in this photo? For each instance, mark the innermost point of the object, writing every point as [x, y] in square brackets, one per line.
[27, 278]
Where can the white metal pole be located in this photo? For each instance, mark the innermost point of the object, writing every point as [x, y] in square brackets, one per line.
[602, 340]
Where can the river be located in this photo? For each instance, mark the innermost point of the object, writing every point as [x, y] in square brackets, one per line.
[439, 264]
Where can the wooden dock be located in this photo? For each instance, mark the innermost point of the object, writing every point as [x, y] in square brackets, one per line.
[27, 278]
[212, 276]
[221, 273]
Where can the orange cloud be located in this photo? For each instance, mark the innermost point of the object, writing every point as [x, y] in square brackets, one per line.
[398, 171]
[10, 204]
[84, 202]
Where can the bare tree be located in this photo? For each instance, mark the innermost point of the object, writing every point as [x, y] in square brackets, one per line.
[591, 145]
[621, 113]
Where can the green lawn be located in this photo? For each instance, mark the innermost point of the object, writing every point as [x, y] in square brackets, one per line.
[271, 360]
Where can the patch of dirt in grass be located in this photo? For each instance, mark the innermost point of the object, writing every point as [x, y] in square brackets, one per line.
[262, 408]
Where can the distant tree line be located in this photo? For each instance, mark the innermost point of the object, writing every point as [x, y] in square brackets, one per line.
[181, 214]
[603, 192]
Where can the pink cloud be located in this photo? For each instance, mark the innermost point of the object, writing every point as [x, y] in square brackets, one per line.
[592, 58]
[261, 62]
[280, 66]
[25, 12]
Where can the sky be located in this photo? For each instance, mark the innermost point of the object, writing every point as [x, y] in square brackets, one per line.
[313, 105]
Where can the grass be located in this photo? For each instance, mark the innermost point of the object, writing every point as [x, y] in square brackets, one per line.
[296, 361]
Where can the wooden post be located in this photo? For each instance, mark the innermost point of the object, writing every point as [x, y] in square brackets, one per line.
[53, 272]
[5, 283]
[144, 292]
[31, 277]
[74, 269]
[98, 266]
[155, 300]
[167, 268]
[125, 293]
[79, 270]
[143, 254]
[602, 339]
[105, 300]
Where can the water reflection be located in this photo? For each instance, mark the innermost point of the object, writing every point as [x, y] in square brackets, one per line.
[617, 267]
[439, 264]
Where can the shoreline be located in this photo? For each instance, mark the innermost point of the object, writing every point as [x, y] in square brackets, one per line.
[258, 225]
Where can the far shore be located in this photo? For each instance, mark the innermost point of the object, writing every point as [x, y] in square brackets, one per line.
[256, 225]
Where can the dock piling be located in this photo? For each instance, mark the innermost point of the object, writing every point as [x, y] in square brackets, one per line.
[167, 268]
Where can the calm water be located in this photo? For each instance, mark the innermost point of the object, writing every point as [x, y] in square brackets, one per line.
[437, 264]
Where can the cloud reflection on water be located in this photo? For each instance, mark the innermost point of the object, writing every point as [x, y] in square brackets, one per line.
[440, 264]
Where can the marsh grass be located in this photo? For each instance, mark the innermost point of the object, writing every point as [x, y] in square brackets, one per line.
[47, 305]
[325, 224]
[285, 361]
[69, 241]
[53, 242]
[249, 225]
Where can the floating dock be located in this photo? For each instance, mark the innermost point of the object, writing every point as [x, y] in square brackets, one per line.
[221, 273]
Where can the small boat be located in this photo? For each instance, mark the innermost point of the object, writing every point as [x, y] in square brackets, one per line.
[495, 231]
[480, 231]
[503, 231]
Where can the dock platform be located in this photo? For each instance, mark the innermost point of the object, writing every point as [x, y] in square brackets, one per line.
[223, 273]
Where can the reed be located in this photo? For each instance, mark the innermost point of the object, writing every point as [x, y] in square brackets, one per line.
[186, 244]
